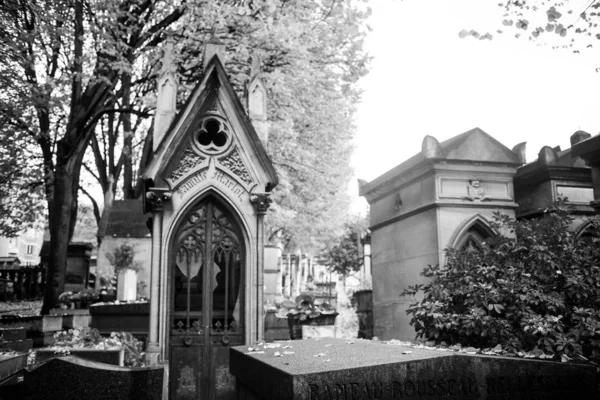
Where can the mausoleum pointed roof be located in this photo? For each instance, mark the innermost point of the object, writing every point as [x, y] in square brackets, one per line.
[213, 94]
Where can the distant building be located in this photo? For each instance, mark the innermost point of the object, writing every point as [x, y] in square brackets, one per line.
[26, 246]
[445, 196]
[126, 224]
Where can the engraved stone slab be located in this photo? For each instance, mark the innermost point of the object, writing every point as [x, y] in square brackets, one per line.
[70, 377]
[330, 369]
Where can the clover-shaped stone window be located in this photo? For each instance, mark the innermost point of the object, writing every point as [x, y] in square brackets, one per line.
[213, 136]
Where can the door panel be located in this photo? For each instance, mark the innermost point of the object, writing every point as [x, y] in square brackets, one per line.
[222, 382]
[207, 303]
[185, 372]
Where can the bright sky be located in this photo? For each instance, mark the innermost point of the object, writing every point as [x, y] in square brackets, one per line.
[425, 80]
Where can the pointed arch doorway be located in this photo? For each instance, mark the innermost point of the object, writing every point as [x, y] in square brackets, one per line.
[207, 301]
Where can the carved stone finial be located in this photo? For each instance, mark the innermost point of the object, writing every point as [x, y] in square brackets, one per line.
[547, 156]
[579, 136]
[254, 66]
[214, 48]
[431, 148]
[520, 150]
[156, 198]
[261, 202]
[167, 61]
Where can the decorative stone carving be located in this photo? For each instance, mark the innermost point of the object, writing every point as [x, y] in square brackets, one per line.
[187, 382]
[156, 198]
[213, 104]
[261, 202]
[476, 192]
[397, 202]
[234, 163]
[188, 161]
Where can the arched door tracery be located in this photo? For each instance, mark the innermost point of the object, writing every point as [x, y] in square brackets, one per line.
[207, 301]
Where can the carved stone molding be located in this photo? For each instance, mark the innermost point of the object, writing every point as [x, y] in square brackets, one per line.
[234, 163]
[261, 202]
[156, 199]
[188, 161]
[397, 202]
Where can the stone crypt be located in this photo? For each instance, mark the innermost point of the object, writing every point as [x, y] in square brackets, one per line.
[207, 188]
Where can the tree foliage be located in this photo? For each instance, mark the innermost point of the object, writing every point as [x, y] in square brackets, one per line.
[343, 256]
[571, 24]
[536, 289]
[312, 57]
[62, 61]
[78, 82]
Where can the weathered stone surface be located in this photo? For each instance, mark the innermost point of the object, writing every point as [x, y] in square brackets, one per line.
[111, 356]
[335, 369]
[73, 378]
[20, 346]
[76, 321]
[16, 333]
[10, 364]
[38, 323]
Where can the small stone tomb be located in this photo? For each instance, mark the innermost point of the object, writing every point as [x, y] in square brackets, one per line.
[106, 356]
[70, 377]
[330, 369]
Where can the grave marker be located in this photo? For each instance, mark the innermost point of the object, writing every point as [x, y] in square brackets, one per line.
[331, 369]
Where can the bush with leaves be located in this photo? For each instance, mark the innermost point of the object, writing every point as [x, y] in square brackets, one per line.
[534, 287]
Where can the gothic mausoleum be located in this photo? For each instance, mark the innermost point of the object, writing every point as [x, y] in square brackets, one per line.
[207, 190]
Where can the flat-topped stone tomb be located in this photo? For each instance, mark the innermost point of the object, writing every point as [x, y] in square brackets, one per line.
[330, 369]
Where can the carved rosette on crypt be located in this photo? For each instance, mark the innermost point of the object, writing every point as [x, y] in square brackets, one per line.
[207, 188]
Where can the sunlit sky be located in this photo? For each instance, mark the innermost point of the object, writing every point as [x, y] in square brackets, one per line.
[425, 80]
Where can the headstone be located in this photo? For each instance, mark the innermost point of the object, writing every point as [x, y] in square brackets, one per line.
[128, 317]
[126, 286]
[77, 321]
[16, 333]
[330, 369]
[69, 378]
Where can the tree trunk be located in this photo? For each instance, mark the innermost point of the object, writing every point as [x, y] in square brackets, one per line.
[127, 140]
[109, 198]
[64, 212]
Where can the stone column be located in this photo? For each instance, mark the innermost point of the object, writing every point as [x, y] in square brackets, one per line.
[155, 199]
[261, 202]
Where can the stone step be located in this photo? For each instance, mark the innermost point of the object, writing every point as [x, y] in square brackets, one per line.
[10, 334]
[42, 339]
[21, 346]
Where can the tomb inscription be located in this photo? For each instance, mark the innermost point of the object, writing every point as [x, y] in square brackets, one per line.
[216, 175]
[520, 386]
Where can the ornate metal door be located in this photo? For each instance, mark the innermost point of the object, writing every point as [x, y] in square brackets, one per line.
[207, 304]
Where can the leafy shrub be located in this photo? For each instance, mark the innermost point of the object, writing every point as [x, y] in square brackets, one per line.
[533, 288]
